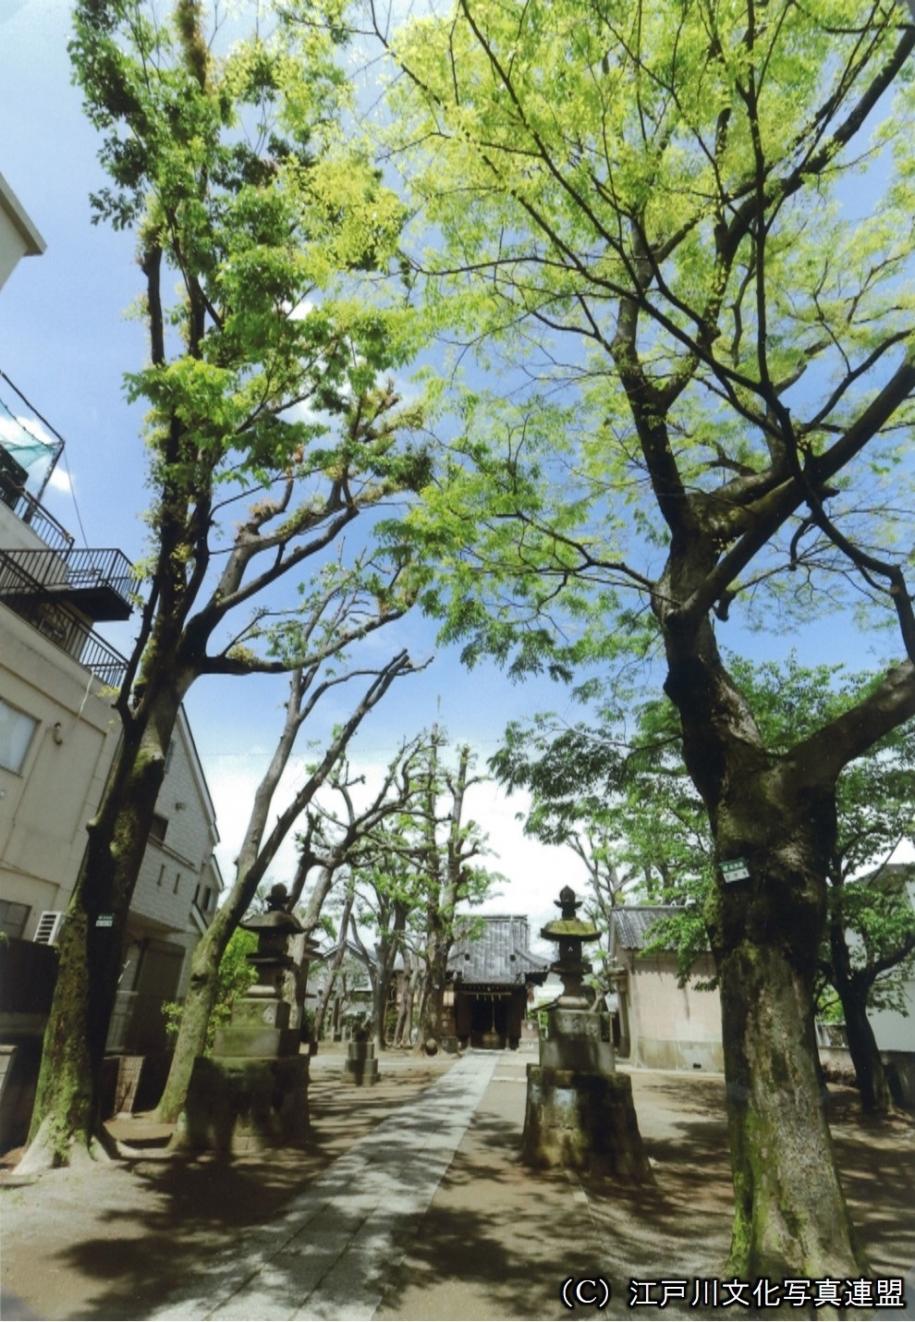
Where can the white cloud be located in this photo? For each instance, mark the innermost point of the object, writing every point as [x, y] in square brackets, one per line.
[23, 431]
[60, 480]
[535, 873]
[33, 446]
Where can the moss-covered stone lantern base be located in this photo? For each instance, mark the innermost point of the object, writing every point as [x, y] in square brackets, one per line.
[583, 1122]
[252, 1093]
[243, 1106]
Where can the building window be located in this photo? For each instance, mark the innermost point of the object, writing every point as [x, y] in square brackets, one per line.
[13, 917]
[177, 883]
[16, 730]
[161, 877]
[158, 828]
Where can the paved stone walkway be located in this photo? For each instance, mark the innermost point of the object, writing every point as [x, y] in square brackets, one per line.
[330, 1253]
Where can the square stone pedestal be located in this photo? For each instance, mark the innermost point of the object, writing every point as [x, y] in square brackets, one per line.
[360, 1066]
[245, 1104]
[584, 1122]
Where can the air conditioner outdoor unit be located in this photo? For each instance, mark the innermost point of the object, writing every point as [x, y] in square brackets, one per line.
[48, 929]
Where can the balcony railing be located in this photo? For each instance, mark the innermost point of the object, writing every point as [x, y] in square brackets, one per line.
[24, 595]
[99, 583]
[32, 512]
[13, 478]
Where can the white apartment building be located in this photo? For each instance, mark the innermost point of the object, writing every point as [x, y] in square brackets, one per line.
[58, 736]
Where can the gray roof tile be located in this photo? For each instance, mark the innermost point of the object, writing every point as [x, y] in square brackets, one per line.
[632, 921]
[499, 954]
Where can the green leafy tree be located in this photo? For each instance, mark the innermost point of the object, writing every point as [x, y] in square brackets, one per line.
[704, 368]
[635, 788]
[268, 398]
[414, 872]
[260, 845]
[234, 978]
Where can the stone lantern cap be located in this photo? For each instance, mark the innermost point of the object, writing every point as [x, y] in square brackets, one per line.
[571, 933]
[273, 930]
[568, 926]
[277, 919]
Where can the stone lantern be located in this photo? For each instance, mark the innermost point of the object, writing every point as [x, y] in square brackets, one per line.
[571, 932]
[579, 1112]
[259, 1025]
[252, 1092]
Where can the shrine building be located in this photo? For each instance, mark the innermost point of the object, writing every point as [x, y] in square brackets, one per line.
[491, 980]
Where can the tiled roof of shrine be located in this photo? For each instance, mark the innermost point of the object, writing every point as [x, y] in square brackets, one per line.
[498, 954]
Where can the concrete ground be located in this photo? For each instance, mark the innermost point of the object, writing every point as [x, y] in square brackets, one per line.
[409, 1203]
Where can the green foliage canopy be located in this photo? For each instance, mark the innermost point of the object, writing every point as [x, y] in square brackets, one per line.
[633, 794]
[644, 223]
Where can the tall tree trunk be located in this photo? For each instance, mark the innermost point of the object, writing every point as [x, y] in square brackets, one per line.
[336, 962]
[195, 1014]
[66, 1120]
[412, 994]
[870, 1076]
[400, 1025]
[419, 1010]
[852, 990]
[380, 985]
[790, 1217]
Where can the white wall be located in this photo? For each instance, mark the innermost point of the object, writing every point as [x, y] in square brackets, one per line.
[45, 806]
[172, 869]
[18, 235]
[894, 1031]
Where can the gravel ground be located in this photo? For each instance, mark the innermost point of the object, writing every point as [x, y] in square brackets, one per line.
[110, 1241]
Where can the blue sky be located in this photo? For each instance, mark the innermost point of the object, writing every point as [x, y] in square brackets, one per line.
[65, 340]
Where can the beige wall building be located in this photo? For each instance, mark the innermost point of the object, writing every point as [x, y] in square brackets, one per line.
[665, 1026]
[58, 735]
[18, 235]
[661, 1024]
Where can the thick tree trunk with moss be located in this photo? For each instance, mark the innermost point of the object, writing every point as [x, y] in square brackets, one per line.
[790, 1217]
[195, 1015]
[66, 1120]
[777, 815]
